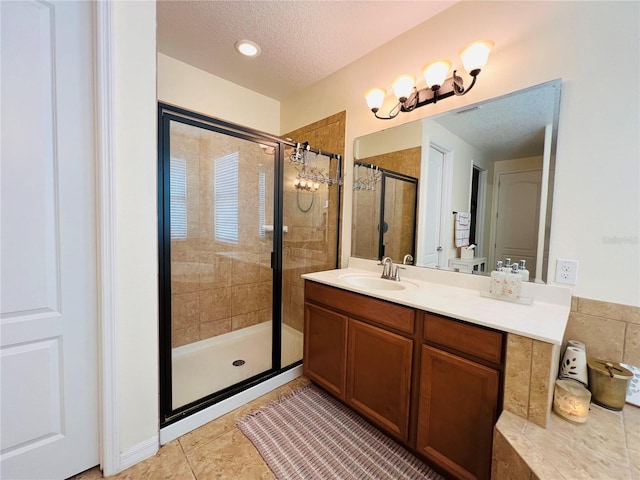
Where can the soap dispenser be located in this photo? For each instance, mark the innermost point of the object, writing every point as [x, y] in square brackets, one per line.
[524, 273]
[498, 281]
[507, 264]
[514, 283]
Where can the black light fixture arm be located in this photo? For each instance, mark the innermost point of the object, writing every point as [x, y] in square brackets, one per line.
[453, 85]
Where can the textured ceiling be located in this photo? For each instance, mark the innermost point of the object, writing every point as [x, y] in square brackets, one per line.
[511, 126]
[302, 42]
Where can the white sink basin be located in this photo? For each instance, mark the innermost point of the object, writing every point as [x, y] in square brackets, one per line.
[375, 283]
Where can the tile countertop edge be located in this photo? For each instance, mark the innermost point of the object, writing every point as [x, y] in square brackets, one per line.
[604, 446]
[541, 320]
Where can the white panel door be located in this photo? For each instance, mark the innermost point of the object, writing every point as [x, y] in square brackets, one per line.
[518, 216]
[431, 212]
[48, 322]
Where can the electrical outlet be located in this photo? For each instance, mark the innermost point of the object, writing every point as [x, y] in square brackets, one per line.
[567, 271]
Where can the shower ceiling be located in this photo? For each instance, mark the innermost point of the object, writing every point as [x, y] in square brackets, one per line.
[301, 41]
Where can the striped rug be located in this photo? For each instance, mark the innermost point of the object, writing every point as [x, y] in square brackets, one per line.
[310, 435]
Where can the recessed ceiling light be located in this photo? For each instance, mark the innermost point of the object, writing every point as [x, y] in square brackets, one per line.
[248, 48]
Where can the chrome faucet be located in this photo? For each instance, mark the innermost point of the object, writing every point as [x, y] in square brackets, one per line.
[387, 268]
[407, 258]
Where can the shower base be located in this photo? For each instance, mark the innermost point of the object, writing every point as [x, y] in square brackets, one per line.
[205, 367]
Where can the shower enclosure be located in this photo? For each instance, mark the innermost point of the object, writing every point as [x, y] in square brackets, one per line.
[236, 231]
[384, 213]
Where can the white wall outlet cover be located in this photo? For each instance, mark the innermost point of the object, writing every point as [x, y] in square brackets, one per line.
[567, 271]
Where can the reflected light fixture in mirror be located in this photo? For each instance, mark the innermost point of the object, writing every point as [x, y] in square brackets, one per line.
[474, 58]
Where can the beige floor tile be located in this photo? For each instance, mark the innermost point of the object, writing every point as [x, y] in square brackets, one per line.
[217, 450]
[212, 430]
[170, 463]
[230, 456]
[93, 474]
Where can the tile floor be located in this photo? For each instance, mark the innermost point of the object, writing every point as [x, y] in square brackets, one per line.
[217, 450]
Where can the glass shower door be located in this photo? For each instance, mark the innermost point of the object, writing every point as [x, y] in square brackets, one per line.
[310, 239]
[221, 207]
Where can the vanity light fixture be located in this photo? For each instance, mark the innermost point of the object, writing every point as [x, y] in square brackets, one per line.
[474, 58]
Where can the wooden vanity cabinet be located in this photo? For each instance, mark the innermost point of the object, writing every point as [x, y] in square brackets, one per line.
[430, 382]
[459, 395]
[371, 370]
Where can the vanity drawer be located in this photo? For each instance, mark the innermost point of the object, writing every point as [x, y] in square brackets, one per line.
[463, 337]
[353, 304]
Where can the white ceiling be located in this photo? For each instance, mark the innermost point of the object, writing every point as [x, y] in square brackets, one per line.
[302, 42]
[511, 126]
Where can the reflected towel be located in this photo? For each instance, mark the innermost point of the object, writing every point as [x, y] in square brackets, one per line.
[462, 228]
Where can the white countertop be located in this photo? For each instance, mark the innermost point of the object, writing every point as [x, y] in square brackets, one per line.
[457, 295]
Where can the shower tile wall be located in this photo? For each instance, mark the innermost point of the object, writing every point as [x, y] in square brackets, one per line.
[310, 244]
[219, 287]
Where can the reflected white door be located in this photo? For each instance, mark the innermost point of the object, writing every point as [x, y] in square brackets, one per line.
[430, 215]
[517, 217]
[49, 411]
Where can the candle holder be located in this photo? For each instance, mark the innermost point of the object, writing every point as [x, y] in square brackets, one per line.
[571, 401]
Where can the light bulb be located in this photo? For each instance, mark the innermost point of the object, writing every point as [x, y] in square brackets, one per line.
[316, 186]
[296, 182]
[247, 48]
[436, 72]
[403, 86]
[375, 98]
[474, 57]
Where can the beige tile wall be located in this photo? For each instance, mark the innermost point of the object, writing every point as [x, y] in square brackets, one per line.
[530, 372]
[219, 287]
[610, 331]
[311, 242]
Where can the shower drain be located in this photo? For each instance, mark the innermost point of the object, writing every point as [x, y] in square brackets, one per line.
[237, 363]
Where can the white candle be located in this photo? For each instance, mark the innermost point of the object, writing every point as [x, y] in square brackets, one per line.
[571, 401]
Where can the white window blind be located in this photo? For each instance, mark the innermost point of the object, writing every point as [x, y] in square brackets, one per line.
[226, 198]
[178, 198]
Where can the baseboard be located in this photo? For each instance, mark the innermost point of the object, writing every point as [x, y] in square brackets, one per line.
[138, 453]
[177, 429]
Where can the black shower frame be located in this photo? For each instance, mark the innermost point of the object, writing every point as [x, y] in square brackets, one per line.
[166, 114]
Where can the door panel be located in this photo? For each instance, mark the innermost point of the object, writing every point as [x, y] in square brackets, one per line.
[459, 436]
[379, 376]
[48, 322]
[518, 217]
[430, 218]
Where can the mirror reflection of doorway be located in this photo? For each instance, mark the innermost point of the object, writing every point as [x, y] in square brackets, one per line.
[517, 217]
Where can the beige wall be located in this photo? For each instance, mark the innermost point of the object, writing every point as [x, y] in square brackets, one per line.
[136, 298]
[596, 212]
[190, 88]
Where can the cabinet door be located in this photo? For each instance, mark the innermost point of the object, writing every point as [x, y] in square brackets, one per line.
[456, 413]
[325, 343]
[379, 376]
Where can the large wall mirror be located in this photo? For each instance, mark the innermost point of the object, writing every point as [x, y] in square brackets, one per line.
[485, 176]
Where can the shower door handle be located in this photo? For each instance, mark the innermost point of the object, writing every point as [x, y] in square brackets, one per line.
[273, 260]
